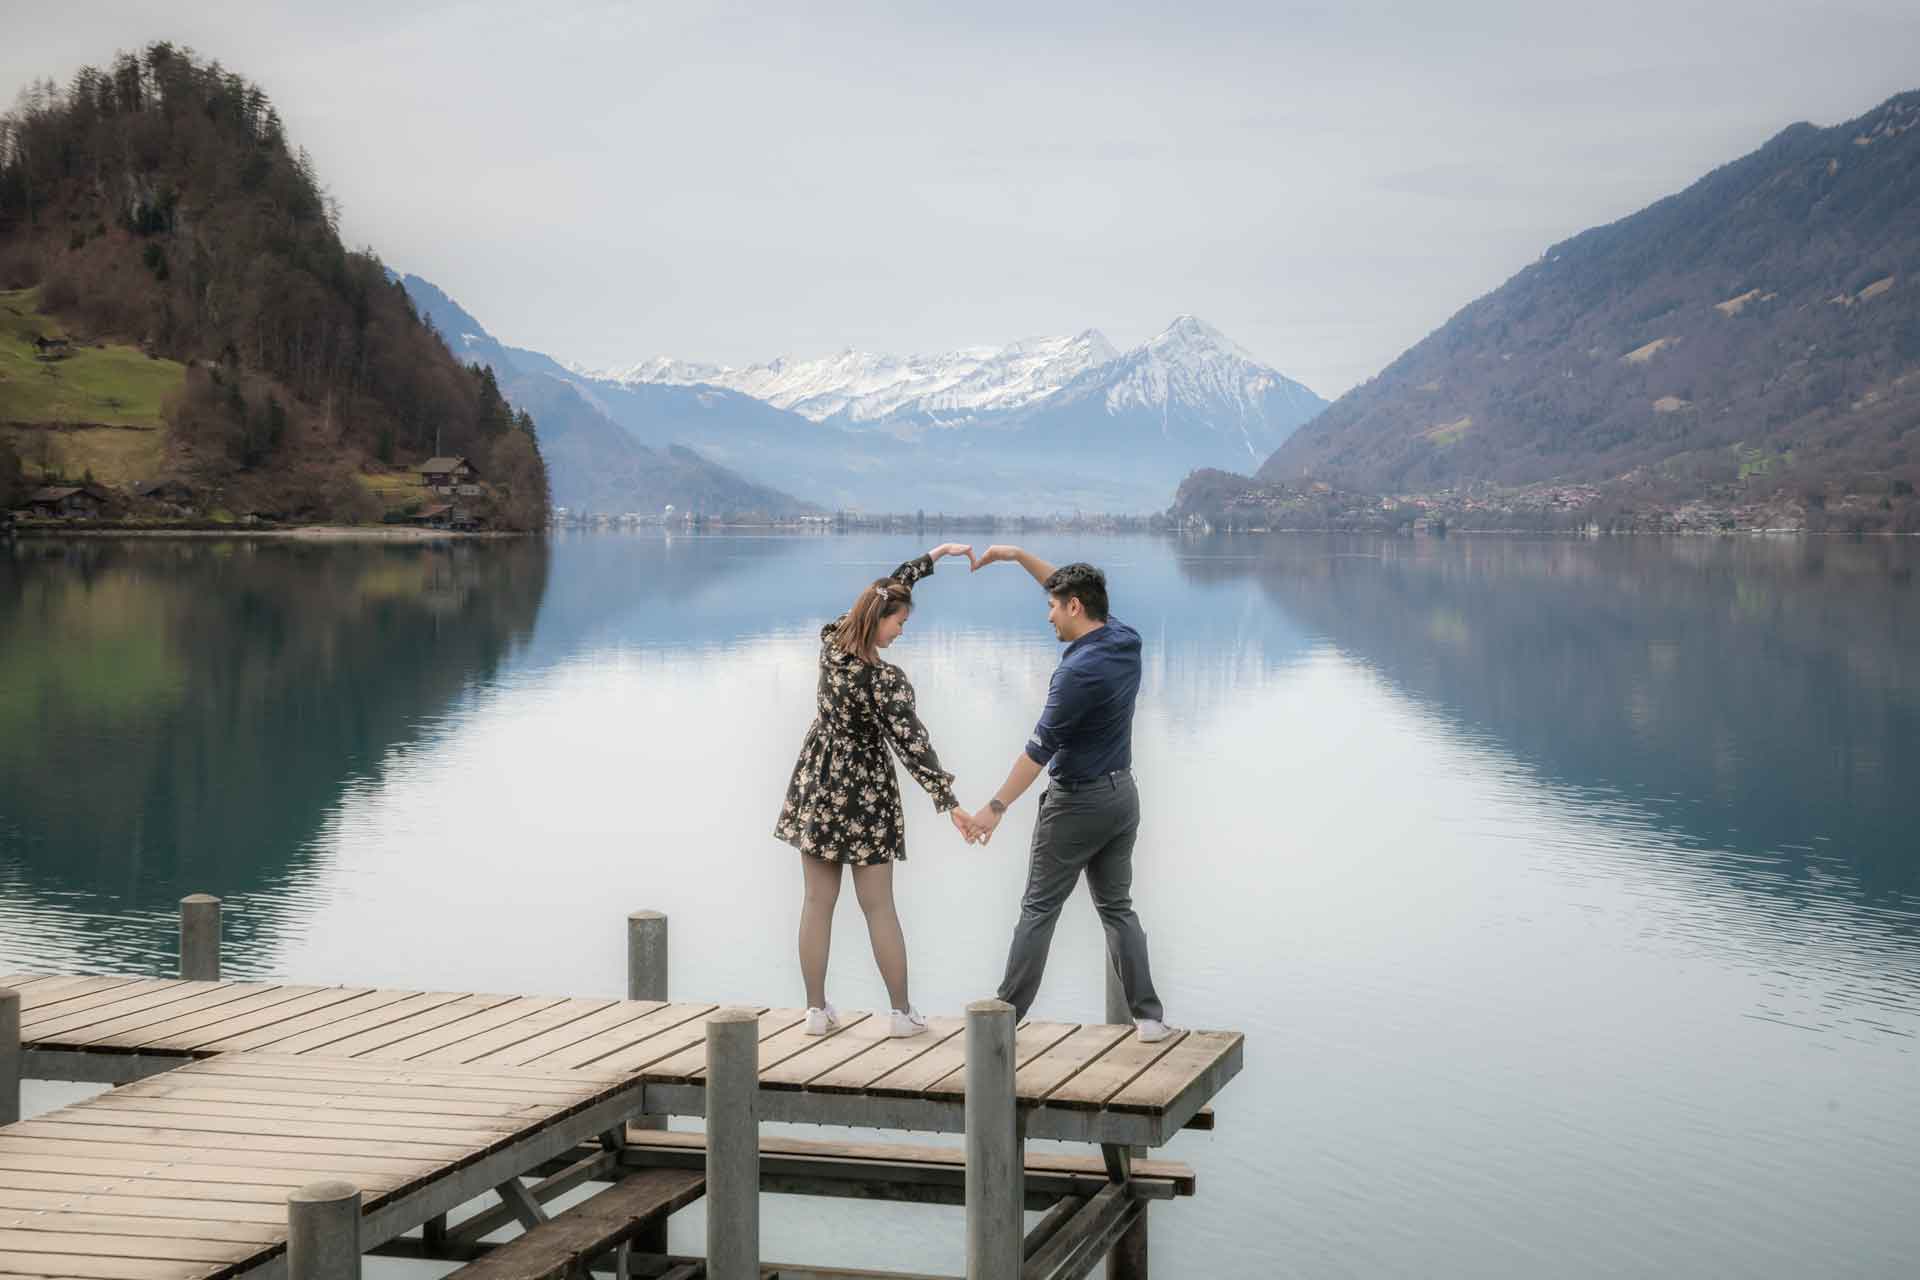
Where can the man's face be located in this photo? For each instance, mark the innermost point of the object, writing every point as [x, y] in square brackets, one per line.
[1064, 617]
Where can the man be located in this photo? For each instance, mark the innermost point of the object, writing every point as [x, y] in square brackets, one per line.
[1090, 812]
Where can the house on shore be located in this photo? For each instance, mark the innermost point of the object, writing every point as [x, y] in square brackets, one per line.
[67, 502]
[443, 515]
[450, 476]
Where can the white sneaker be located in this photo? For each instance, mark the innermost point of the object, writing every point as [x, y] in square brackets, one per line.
[1153, 1032]
[911, 1022]
[820, 1021]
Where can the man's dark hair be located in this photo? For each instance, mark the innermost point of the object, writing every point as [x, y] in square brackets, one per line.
[1084, 583]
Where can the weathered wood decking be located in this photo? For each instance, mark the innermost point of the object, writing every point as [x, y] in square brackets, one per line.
[1081, 1082]
[185, 1175]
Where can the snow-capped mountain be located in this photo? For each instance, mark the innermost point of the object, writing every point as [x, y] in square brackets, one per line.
[865, 387]
[1191, 378]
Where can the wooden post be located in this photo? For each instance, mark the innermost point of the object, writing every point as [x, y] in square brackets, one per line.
[647, 955]
[647, 980]
[200, 937]
[323, 1232]
[733, 1146]
[996, 1197]
[9, 1055]
[1128, 1260]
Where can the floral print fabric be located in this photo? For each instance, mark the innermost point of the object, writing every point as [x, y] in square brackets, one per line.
[843, 803]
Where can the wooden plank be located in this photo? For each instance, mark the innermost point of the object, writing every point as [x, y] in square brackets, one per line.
[44, 993]
[622, 1048]
[910, 1079]
[453, 1012]
[1153, 1089]
[183, 1139]
[102, 1245]
[690, 1064]
[1065, 1060]
[169, 1033]
[1030, 1040]
[829, 1052]
[1116, 1068]
[229, 1197]
[563, 1246]
[267, 1218]
[421, 1101]
[857, 1075]
[330, 1034]
[121, 1224]
[552, 1018]
[1175, 1171]
[609, 1021]
[685, 1034]
[72, 1267]
[405, 1117]
[508, 1013]
[101, 1005]
[262, 1168]
[301, 1122]
[320, 1070]
[260, 1031]
[131, 1028]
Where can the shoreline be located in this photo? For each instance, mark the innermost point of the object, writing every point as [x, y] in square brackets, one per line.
[303, 533]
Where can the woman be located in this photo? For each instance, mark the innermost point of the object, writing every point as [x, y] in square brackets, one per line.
[843, 805]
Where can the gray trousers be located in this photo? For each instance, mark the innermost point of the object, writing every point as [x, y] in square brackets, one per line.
[1091, 828]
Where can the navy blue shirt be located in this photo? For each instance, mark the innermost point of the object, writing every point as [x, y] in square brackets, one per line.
[1087, 728]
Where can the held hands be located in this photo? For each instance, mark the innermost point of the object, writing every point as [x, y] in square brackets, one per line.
[976, 828]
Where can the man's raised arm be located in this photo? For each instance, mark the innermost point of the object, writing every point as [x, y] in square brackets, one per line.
[1033, 564]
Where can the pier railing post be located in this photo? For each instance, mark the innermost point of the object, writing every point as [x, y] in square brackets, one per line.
[733, 1146]
[647, 955]
[647, 980]
[9, 1055]
[323, 1232]
[200, 937]
[996, 1196]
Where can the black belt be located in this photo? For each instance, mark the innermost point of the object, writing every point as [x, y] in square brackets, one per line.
[1111, 779]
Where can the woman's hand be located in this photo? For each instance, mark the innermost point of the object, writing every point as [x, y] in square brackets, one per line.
[951, 549]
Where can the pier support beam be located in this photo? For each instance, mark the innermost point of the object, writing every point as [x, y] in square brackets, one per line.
[323, 1232]
[9, 1055]
[200, 937]
[1128, 1261]
[733, 1146]
[995, 1163]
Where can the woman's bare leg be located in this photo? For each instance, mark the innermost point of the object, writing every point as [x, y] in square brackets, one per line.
[816, 925]
[873, 885]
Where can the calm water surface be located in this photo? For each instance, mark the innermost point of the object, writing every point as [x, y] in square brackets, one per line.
[1568, 892]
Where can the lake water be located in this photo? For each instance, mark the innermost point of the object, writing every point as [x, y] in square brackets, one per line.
[1568, 892]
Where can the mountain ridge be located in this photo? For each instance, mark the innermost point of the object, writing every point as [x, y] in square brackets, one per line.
[1755, 332]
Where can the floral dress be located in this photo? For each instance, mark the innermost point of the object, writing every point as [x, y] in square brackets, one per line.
[843, 804]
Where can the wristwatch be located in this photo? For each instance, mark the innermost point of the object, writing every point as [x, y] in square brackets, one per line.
[995, 805]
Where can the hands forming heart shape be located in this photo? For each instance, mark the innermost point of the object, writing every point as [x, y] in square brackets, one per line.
[992, 555]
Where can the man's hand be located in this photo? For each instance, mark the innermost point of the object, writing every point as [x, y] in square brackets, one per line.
[984, 823]
[951, 549]
[993, 555]
[963, 823]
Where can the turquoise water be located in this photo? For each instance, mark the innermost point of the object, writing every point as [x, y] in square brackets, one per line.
[1568, 892]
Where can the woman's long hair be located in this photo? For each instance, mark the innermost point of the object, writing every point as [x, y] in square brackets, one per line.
[886, 597]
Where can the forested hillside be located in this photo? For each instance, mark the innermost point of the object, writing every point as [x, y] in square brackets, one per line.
[158, 206]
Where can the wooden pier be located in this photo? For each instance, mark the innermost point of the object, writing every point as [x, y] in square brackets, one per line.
[267, 1129]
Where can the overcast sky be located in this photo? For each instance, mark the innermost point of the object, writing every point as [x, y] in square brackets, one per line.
[1326, 183]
